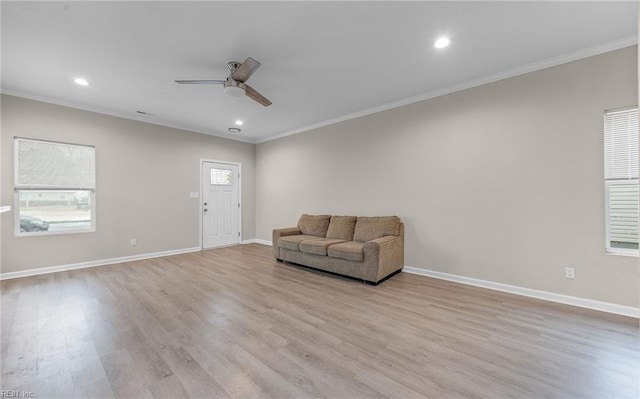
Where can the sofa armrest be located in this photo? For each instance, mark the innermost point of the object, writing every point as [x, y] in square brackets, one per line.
[277, 233]
[387, 253]
[287, 231]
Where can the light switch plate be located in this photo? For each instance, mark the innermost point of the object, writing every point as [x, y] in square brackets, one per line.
[194, 194]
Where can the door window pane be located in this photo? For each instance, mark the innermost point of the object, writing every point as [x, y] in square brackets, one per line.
[221, 177]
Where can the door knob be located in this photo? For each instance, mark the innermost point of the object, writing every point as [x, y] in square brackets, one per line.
[205, 209]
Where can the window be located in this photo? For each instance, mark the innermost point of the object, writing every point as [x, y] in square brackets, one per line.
[54, 187]
[621, 180]
[221, 177]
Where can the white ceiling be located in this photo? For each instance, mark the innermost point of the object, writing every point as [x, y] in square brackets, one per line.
[321, 61]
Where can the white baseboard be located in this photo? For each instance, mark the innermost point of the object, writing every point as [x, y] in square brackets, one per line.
[545, 295]
[94, 263]
[256, 241]
[104, 262]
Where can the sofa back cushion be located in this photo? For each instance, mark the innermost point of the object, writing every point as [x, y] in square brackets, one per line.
[314, 225]
[370, 228]
[341, 227]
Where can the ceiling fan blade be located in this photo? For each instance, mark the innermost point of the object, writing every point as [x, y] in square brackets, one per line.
[245, 70]
[254, 95]
[200, 82]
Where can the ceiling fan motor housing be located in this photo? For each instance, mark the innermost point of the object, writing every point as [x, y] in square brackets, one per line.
[233, 65]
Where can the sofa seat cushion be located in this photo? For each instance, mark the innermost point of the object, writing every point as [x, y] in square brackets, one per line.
[293, 242]
[341, 227]
[370, 228]
[314, 225]
[350, 250]
[318, 246]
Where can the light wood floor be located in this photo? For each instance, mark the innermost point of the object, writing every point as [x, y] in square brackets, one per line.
[234, 323]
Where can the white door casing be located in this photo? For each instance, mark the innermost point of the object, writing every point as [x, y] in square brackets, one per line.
[220, 204]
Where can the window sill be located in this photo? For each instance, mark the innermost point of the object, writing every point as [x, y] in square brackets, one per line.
[52, 233]
[633, 254]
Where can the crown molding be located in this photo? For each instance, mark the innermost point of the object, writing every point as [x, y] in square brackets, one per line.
[536, 66]
[521, 70]
[121, 115]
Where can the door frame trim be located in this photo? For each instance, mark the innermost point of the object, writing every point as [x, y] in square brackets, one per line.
[239, 165]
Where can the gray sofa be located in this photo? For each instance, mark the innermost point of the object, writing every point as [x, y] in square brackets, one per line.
[366, 248]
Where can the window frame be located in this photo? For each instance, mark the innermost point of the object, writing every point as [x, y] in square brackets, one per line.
[24, 187]
[608, 182]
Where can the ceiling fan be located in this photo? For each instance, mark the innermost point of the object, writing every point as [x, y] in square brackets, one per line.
[235, 85]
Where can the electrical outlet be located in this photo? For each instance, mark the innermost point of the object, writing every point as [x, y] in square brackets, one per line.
[570, 272]
[134, 242]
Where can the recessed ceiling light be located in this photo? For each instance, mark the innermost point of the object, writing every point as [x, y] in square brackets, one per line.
[442, 42]
[81, 81]
[234, 130]
[239, 122]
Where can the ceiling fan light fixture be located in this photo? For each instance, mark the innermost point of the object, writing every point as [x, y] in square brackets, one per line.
[234, 91]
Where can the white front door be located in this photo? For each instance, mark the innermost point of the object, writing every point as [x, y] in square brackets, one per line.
[220, 204]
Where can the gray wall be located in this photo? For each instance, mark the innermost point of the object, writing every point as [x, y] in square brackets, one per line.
[502, 182]
[144, 176]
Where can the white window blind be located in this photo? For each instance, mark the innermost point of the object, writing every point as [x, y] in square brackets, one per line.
[621, 144]
[43, 164]
[621, 180]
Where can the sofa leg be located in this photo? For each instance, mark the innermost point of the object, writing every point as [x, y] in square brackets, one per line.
[387, 277]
